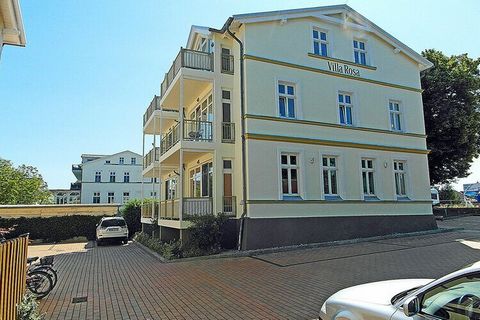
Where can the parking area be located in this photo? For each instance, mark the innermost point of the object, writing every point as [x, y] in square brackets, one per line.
[125, 282]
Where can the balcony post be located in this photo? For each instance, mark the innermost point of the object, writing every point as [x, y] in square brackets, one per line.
[180, 187]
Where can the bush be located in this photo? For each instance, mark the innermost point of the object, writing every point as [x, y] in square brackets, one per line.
[27, 309]
[206, 234]
[168, 250]
[447, 193]
[132, 213]
[52, 229]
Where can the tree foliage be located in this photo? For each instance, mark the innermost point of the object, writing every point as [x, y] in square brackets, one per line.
[447, 193]
[22, 185]
[132, 214]
[451, 101]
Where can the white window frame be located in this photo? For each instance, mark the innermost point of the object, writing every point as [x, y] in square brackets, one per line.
[398, 116]
[330, 168]
[126, 175]
[367, 172]
[133, 160]
[121, 160]
[112, 174]
[111, 197]
[360, 51]
[320, 41]
[405, 177]
[287, 96]
[99, 175]
[346, 105]
[126, 197]
[289, 167]
[96, 195]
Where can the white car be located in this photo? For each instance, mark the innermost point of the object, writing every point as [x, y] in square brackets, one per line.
[455, 296]
[113, 228]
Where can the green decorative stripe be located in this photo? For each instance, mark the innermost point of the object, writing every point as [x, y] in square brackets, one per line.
[313, 55]
[330, 73]
[336, 202]
[265, 137]
[331, 125]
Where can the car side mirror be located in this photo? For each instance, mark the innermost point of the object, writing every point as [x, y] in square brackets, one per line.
[411, 306]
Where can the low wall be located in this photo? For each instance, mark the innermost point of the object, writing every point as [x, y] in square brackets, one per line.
[455, 212]
[58, 210]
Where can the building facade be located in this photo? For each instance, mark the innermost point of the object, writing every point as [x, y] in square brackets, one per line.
[65, 196]
[304, 125]
[113, 178]
[11, 24]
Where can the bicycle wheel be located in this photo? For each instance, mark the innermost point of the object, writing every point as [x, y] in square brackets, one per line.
[39, 283]
[51, 272]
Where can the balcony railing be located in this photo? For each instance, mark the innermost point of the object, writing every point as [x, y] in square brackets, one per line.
[196, 130]
[169, 209]
[230, 206]
[146, 210]
[152, 156]
[197, 207]
[227, 63]
[228, 132]
[154, 105]
[170, 138]
[187, 58]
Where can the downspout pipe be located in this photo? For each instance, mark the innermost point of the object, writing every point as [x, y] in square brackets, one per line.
[226, 28]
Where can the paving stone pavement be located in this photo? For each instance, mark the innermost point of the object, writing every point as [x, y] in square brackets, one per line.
[124, 282]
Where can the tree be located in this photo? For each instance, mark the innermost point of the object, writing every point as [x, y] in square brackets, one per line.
[132, 214]
[447, 193]
[451, 101]
[22, 185]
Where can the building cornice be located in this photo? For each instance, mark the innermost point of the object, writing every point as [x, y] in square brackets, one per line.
[332, 143]
[330, 73]
[332, 125]
[318, 201]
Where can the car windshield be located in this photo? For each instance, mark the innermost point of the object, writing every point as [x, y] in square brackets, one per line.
[113, 223]
[403, 294]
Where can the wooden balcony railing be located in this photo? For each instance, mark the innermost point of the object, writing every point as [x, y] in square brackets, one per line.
[230, 206]
[170, 138]
[196, 130]
[227, 63]
[187, 58]
[146, 210]
[228, 132]
[197, 207]
[154, 105]
[152, 156]
[169, 209]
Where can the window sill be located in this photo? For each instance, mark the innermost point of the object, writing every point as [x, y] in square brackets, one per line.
[370, 198]
[292, 198]
[333, 198]
[403, 198]
[313, 55]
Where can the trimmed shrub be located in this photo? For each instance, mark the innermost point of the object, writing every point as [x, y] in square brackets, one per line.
[52, 229]
[168, 250]
[132, 214]
[27, 309]
[206, 234]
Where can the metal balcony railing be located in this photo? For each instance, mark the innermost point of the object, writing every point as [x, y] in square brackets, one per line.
[152, 156]
[228, 132]
[227, 63]
[197, 130]
[187, 58]
[170, 138]
[230, 206]
[197, 207]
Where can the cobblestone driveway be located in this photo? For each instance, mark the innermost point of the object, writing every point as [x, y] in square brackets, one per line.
[124, 282]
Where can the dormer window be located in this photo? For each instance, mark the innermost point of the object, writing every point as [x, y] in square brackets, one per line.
[360, 52]
[320, 43]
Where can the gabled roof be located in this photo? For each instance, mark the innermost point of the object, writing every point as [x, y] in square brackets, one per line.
[103, 157]
[12, 29]
[194, 30]
[336, 14]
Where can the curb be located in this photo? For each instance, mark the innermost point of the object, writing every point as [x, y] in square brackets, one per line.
[257, 252]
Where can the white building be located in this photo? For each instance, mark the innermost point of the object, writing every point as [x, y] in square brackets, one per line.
[65, 196]
[11, 24]
[114, 178]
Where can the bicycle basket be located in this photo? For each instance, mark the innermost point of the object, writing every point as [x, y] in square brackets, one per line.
[48, 260]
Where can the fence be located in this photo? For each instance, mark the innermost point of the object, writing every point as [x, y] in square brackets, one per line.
[13, 273]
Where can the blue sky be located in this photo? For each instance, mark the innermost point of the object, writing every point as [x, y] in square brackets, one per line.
[90, 68]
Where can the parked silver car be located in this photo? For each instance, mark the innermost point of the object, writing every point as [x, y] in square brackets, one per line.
[455, 296]
[113, 228]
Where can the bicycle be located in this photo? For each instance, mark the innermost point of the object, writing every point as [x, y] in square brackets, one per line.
[45, 264]
[41, 278]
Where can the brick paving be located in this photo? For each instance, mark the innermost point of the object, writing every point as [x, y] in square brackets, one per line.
[124, 282]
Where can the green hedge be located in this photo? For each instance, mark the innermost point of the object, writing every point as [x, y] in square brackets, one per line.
[53, 229]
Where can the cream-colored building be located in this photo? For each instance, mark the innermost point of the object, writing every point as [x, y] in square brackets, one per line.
[11, 24]
[304, 125]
